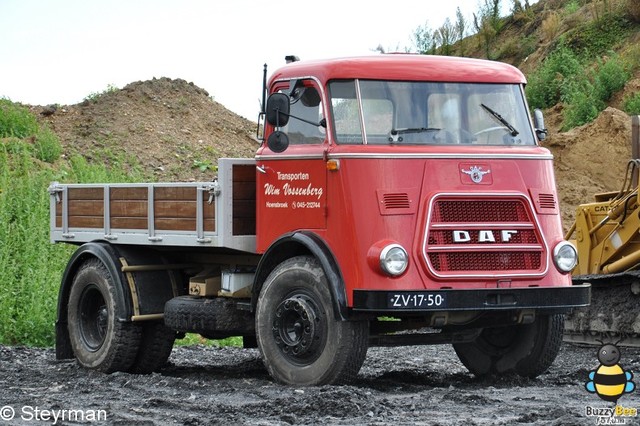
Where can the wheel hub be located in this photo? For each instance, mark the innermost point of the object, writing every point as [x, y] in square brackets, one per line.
[94, 318]
[295, 327]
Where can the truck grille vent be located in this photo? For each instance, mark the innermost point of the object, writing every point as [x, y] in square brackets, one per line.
[396, 201]
[478, 236]
[485, 261]
[547, 201]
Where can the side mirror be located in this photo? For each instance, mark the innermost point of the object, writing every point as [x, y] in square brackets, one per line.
[278, 141]
[278, 109]
[538, 123]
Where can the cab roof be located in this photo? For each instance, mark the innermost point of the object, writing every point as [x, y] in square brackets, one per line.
[402, 67]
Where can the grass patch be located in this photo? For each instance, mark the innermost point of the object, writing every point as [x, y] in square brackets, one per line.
[631, 104]
[597, 37]
[30, 266]
[191, 339]
[584, 86]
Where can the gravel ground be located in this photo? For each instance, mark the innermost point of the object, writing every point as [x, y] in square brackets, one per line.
[206, 385]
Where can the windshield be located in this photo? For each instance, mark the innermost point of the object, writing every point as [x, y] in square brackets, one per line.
[412, 113]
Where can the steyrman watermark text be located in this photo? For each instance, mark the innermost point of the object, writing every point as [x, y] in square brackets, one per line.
[28, 413]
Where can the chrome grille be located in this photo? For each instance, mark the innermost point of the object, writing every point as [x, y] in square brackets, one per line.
[483, 236]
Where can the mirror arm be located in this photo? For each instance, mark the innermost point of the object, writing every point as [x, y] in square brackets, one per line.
[322, 123]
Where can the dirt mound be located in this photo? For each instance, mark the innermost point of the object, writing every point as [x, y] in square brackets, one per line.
[590, 159]
[173, 129]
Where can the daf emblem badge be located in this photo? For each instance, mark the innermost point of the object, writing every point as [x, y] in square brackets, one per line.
[476, 173]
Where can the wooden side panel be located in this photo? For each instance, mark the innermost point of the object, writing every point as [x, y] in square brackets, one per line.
[140, 193]
[244, 199]
[85, 208]
[129, 208]
[176, 209]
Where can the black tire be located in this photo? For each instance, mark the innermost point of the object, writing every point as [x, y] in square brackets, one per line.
[301, 341]
[98, 339]
[155, 348]
[528, 350]
[214, 318]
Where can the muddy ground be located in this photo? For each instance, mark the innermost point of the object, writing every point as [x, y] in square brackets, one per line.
[398, 386]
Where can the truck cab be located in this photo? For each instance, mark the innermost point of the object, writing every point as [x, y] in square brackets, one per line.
[421, 180]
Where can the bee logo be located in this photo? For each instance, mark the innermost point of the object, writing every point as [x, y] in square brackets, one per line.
[609, 381]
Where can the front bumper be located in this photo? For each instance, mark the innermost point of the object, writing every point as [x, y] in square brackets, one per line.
[495, 299]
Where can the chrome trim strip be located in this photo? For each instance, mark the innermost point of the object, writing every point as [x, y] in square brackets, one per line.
[439, 156]
[434, 156]
[460, 248]
[289, 157]
[484, 225]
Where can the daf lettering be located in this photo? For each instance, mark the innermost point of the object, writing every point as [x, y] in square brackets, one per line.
[484, 236]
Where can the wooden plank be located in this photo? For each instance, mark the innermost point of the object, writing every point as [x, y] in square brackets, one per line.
[244, 227]
[128, 208]
[86, 208]
[210, 225]
[136, 193]
[58, 220]
[128, 223]
[244, 173]
[175, 208]
[175, 224]
[86, 222]
[175, 193]
[182, 224]
[85, 193]
[244, 190]
[209, 210]
[244, 209]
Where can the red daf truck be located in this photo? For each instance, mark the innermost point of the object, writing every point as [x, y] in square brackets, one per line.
[395, 200]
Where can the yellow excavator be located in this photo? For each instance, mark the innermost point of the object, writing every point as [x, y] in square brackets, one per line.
[606, 234]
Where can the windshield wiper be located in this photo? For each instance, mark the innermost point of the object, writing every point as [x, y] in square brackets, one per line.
[413, 130]
[501, 119]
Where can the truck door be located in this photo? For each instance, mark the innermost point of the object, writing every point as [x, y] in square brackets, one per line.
[292, 184]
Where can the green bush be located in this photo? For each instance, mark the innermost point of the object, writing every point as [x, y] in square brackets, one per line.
[582, 104]
[30, 266]
[583, 89]
[571, 7]
[549, 83]
[47, 146]
[17, 123]
[631, 104]
[16, 120]
[610, 77]
[596, 37]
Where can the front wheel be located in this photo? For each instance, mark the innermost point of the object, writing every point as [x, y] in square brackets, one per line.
[299, 337]
[528, 350]
[98, 339]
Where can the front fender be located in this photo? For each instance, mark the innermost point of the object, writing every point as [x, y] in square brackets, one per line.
[295, 244]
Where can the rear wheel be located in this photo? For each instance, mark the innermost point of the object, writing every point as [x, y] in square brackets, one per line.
[528, 350]
[99, 340]
[155, 347]
[301, 341]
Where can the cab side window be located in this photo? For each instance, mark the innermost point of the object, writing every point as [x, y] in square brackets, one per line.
[307, 105]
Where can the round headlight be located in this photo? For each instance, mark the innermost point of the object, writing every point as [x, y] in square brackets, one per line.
[394, 259]
[565, 256]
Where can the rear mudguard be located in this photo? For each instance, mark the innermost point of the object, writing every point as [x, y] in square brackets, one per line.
[151, 289]
[108, 255]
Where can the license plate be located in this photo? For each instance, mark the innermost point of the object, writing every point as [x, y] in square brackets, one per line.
[412, 300]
